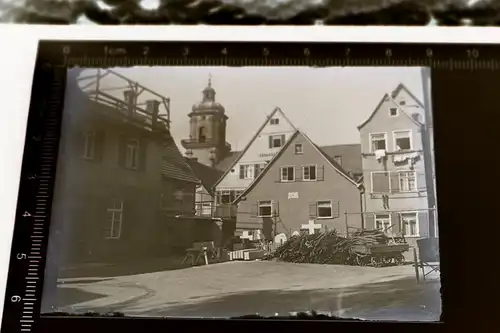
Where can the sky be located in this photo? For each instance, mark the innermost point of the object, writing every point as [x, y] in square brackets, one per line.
[326, 103]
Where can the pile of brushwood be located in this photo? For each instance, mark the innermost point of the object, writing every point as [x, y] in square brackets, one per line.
[327, 247]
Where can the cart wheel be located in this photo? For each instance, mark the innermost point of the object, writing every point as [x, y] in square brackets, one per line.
[360, 260]
[376, 262]
[399, 260]
[386, 261]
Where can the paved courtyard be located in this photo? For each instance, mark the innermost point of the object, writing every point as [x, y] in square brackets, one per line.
[263, 287]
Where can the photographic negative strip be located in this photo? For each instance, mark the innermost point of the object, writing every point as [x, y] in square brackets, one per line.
[222, 180]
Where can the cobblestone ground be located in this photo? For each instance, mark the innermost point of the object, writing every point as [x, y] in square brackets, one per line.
[266, 288]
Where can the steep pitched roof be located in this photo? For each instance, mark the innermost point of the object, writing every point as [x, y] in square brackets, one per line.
[207, 175]
[351, 156]
[228, 160]
[390, 97]
[334, 164]
[249, 144]
[174, 164]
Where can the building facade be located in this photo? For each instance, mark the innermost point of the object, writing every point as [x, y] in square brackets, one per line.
[393, 158]
[119, 172]
[260, 150]
[301, 189]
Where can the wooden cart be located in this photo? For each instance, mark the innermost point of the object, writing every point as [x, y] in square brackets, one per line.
[379, 255]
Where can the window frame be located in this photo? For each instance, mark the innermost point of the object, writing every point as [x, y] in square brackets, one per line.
[247, 168]
[388, 180]
[400, 188]
[301, 149]
[417, 223]
[397, 112]
[410, 137]
[276, 137]
[318, 204]
[260, 205]
[281, 174]
[414, 173]
[315, 173]
[389, 219]
[89, 134]
[135, 153]
[371, 135]
[274, 121]
[115, 210]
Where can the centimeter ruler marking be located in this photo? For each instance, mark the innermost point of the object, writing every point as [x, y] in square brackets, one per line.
[44, 176]
[450, 63]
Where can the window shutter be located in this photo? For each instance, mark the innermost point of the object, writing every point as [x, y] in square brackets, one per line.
[369, 221]
[270, 141]
[396, 222]
[394, 182]
[254, 210]
[242, 171]
[282, 140]
[280, 171]
[121, 150]
[276, 208]
[298, 173]
[320, 173]
[335, 209]
[99, 145]
[380, 182]
[256, 170]
[313, 210]
[143, 150]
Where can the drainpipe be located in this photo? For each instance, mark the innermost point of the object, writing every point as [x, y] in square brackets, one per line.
[427, 145]
[361, 203]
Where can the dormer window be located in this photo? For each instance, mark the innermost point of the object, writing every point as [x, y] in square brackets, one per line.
[275, 121]
[393, 112]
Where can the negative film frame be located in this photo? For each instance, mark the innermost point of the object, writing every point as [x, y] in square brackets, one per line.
[461, 67]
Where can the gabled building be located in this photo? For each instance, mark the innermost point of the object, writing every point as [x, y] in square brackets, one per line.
[301, 188]
[394, 141]
[260, 150]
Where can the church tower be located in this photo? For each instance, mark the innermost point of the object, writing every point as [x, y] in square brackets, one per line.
[207, 135]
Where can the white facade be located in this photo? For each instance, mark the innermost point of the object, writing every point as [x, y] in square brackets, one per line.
[266, 143]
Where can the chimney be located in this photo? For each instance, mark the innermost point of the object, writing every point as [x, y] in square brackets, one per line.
[153, 108]
[129, 98]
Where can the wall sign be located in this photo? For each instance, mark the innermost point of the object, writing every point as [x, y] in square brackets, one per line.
[293, 195]
[267, 154]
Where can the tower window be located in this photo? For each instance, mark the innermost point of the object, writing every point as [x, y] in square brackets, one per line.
[393, 112]
[275, 121]
[201, 134]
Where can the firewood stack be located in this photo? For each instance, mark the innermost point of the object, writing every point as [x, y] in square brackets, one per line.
[326, 248]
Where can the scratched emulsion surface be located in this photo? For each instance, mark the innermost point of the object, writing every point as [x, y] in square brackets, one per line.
[254, 12]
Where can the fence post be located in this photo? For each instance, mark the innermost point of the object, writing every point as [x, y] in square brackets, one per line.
[415, 263]
[346, 224]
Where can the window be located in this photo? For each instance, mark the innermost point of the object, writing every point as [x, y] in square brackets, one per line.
[324, 209]
[298, 148]
[201, 134]
[115, 218]
[275, 121]
[383, 222]
[276, 141]
[407, 181]
[89, 145]
[287, 174]
[265, 208]
[338, 159]
[402, 140]
[409, 224]
[393, 112]
[378, 141]
[204, 209]
[309, 172]
[402, 103]
[132, 154]
[247, 171]
[258, 169]
[227, 196]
